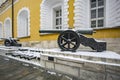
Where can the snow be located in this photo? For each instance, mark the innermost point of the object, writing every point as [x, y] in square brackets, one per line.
[64, 55]
[104, 54]
[6, 59]
[82, 60]
[25, 61]
[25, 64]
[52, 73]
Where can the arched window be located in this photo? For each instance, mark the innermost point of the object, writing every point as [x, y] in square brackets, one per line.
[1, 30]
[7, 28]
[23, 23]
[54, 14]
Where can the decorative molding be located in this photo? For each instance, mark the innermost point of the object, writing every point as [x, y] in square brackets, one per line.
[46, 13]
[112, 13]
[28, 11]
[1, 32]
[8, 31]
[82, 14]
[8, 7]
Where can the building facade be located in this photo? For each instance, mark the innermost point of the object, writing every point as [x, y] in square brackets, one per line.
[24, 18]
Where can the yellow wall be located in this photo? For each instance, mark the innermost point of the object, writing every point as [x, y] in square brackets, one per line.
[35, 22]
[71, 13]
[107, 33]
[5, 15]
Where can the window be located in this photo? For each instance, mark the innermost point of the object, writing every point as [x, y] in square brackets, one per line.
[97, 13]
[57, 18]
[54, 14]
[23, 23]
[8, 28]
[1, 31]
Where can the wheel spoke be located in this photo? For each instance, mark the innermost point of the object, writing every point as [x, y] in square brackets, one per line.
[68, 35]
[73, 44]
[64, 44]
[68, 45]
[73, 38]
[64, 38]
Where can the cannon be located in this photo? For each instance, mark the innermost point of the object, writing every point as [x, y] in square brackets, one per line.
[11, 42]
[70, 40]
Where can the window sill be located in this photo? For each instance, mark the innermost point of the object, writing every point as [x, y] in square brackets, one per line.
[23, 37]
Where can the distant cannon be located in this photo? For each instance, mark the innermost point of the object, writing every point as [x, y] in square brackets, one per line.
[11, 42]
[70, 40]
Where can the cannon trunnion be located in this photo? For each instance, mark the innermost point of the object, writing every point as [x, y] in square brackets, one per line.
[70, 41]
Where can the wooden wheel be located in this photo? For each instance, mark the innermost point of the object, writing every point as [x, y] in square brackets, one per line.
[7, 42]
[68, 41]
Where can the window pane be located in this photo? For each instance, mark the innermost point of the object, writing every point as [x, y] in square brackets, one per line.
[60, 20]
[100, 23]
[57, 21]
[101, 12]
[93, 1]
[93, 24]
[100, 2]
[93, 5]
[93, 14]
[60, 12]
[58, 27]
[57, 13]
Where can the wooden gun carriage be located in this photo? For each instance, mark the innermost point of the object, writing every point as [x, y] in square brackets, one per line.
[11, 42]
[70, 40]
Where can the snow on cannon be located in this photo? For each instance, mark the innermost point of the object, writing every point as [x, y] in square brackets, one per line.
[11, 42]
[70, 40]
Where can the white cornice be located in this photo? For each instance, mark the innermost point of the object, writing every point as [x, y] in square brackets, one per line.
[8, 7]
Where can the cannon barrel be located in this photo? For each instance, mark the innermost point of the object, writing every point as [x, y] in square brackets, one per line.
[90, 32]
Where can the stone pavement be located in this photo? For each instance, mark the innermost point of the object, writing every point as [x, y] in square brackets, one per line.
[14, 70]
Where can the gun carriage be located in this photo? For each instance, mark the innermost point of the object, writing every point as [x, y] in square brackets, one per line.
[70, 40]
[11, 42]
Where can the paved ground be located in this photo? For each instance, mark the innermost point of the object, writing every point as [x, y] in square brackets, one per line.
[14, 70]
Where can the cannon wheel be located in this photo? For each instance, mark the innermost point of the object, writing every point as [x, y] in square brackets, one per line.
[68, 41]
[7, 42]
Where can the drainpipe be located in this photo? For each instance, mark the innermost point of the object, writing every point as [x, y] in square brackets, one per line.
[13, 18]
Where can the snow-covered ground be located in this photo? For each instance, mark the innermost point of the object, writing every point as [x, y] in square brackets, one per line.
[104, 54]
[57, 53]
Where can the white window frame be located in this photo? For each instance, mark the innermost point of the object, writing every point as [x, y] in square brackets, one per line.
[47, 20]
[24, 27]
[8, 31]
[54, 8]
[1, 30]
[96, 19]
